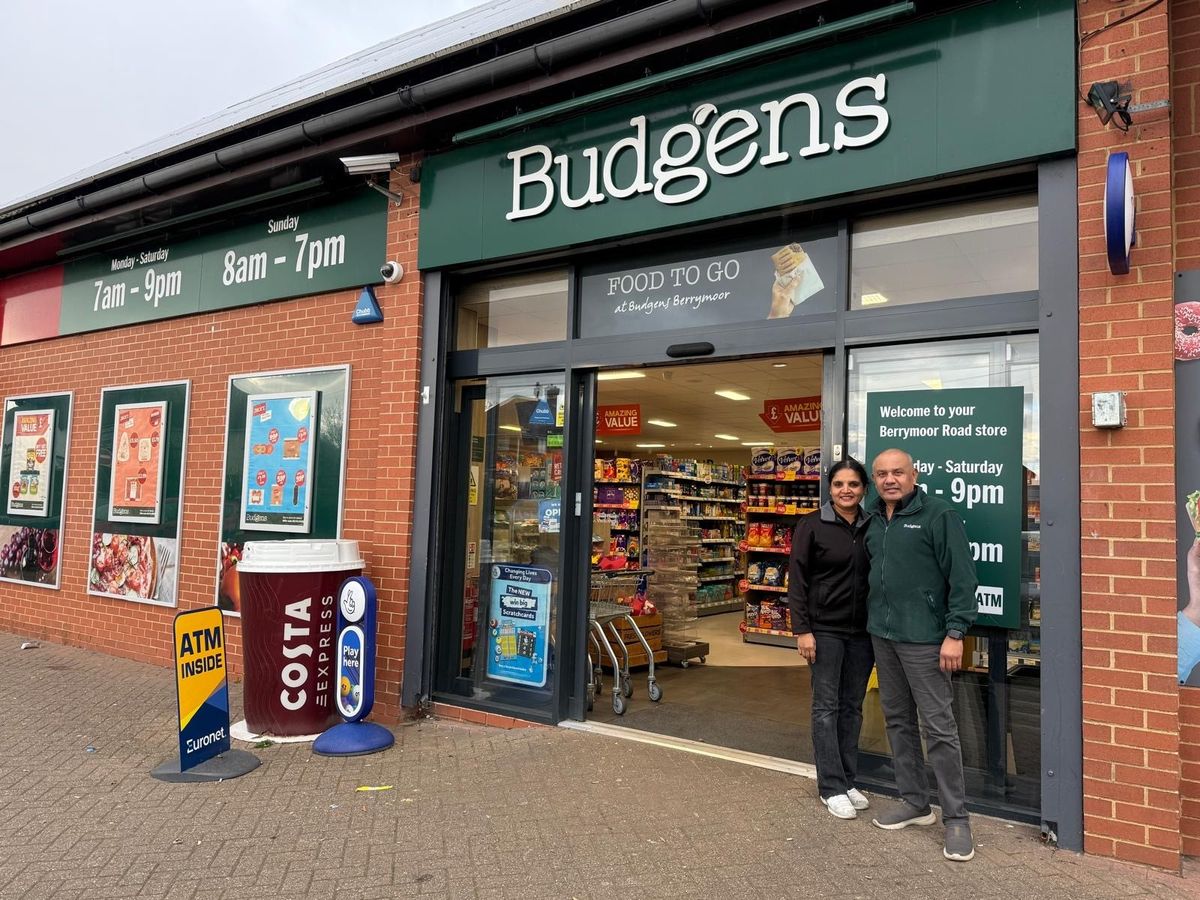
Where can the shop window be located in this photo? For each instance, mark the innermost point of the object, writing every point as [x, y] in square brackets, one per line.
[976, 249]
[516, 309]
[1007, 772]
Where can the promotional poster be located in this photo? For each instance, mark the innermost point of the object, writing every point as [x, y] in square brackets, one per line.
[1187, 471]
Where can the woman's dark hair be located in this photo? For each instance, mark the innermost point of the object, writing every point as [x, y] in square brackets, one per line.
[849, 463]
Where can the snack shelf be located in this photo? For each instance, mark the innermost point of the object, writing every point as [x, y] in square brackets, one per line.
[614, 506]
[682, 477]
[614, 481]
[712, 518]
[718, 559]
[782, 550]
[695, 499]
[708, 579]
[768, 636]
[766, 587]
[717, 541]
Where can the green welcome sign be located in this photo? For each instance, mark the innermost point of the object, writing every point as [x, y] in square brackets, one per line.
[947, 94]
[966, 446]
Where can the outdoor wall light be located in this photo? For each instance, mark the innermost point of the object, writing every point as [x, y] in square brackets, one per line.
[372, 166]
[1111, 100]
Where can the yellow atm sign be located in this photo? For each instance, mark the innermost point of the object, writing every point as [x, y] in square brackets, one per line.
[201, 686]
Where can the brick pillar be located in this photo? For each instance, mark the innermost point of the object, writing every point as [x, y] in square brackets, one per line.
[1131, 763]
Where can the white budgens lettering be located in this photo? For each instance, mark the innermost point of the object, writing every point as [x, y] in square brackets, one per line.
[878, 86]
[671, 167]
[690, 154]
[717, 145]
[637, 145]
[592, 194]
[521, 179]
[775, 111]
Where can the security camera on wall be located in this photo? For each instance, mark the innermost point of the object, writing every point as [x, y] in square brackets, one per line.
[391, 272]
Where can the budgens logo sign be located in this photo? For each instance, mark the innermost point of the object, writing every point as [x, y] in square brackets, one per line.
[714, 144]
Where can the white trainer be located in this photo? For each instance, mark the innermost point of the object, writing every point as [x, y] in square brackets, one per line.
[839, 805]
[858, 799]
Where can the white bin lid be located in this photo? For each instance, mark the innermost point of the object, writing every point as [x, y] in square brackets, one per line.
[300, 556]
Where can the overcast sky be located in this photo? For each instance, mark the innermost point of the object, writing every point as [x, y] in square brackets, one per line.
[83, 81]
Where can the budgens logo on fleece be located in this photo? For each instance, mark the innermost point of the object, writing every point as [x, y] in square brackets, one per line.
[690, 154]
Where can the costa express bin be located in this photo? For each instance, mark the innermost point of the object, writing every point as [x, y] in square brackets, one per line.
[289, 632]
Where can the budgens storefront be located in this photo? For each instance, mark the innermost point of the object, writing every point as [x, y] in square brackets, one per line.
[659, 312]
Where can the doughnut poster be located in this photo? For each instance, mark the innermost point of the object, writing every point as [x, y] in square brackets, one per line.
[1187, 471]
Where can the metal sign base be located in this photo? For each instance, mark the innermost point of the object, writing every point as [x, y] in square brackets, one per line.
[223, 766]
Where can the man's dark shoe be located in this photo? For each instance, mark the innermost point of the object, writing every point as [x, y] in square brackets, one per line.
[904, 815]
[959, 846]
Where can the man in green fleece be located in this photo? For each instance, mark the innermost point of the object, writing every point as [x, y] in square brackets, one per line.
[922, 601]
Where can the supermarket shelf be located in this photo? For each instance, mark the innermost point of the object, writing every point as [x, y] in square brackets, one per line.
[707, 579]
[613, 506]
[775, 511]
[664, 491]
[767, 587]
[718, 607]
[717, 559]
[613, 481]
[682, 477]
[717, 541]
[712, 518]
[710, 499]
[783, 476]
[767, 550]
[661, 506]
[769, 637]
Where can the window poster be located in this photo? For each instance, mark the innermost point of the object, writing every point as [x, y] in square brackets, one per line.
[1187, 474]
[519, 624]
[135, 491]
[136, 510]
[30, 463]
[284, 470]
[33, 457]
[277, 470]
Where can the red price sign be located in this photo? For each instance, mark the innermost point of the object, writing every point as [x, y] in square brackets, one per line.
[260, 477]
[300, 478]
[281, 477]
[154, 439]
[141, 476]
[42, 449]
[302, 434]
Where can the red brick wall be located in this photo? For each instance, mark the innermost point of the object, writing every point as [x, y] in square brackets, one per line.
[312, 331]
[1131, 763]
[1185, 140]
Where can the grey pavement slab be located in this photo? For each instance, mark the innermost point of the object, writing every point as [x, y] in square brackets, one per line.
[471, 812]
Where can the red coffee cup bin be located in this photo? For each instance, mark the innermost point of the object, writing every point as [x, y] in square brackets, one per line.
[289, 632]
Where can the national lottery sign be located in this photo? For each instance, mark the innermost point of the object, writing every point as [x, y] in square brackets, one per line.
[201, 686]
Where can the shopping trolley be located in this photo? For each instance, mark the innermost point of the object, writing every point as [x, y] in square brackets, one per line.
[603, 611]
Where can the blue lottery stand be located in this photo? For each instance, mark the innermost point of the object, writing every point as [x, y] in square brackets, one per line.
[355, 676]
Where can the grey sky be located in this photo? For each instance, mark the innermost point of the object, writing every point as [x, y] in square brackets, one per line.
[84, 81]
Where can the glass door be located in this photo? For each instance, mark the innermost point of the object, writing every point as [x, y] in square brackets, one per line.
[499, 616]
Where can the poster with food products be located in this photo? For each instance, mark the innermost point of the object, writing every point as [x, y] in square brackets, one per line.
[31, 462]
[135, 488]
[277, 472]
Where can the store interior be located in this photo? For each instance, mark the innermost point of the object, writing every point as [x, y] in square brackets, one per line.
[719, 465]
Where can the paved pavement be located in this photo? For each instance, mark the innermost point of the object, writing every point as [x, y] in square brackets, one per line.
[472, 813]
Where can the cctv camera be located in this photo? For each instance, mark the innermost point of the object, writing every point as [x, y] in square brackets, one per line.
[391, 272]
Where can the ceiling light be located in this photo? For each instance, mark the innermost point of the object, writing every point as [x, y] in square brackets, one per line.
[758, 443]
[510, 427]
[661, 423]
[619, 376]
[598, 441]
[873, 299]
[731, 395]
[727, 437]
[779, 366]
[648, 446]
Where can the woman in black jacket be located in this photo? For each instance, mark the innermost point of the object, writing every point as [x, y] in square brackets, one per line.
[827, 593]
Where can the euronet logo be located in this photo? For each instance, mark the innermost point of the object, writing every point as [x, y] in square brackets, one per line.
[721, 143]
